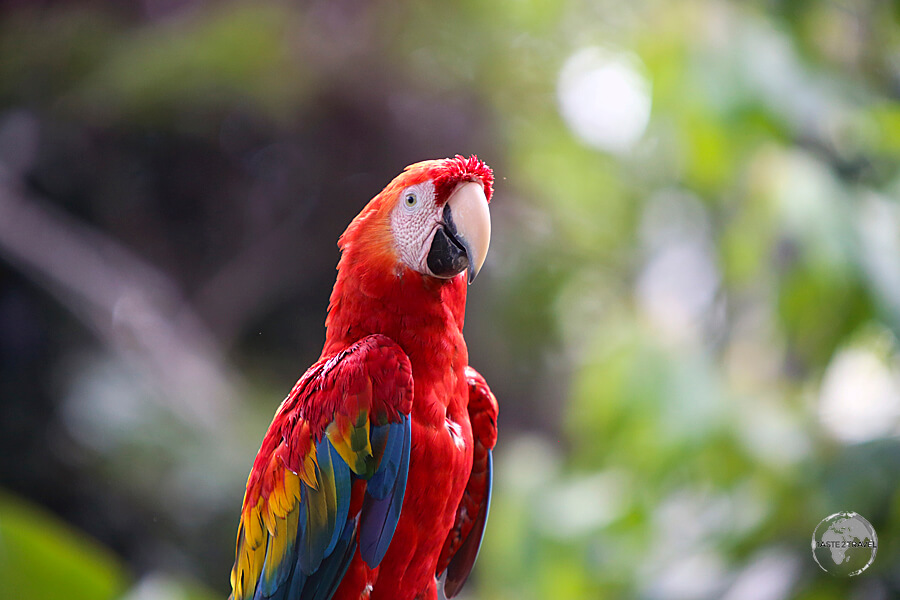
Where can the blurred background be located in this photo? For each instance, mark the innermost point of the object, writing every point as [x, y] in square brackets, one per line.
[690, 313]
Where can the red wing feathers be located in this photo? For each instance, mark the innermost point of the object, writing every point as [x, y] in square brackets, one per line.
[464, 540]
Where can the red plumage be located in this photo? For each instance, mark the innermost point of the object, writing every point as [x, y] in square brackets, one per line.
[394, 347]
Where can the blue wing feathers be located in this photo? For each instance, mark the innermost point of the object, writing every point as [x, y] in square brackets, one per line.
[342, 489]
[297, 578]
[314, 541]
[324, 582]
[378, 436]
[379, 516]
[282, 592]
[490, 486]
[382, 482]
[296, 585]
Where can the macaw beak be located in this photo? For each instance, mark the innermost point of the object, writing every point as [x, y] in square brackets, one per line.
[461, 241]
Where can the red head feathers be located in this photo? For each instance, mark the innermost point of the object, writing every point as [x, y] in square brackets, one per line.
[448, 172]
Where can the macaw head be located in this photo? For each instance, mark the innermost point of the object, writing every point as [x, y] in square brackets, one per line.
[432, 219]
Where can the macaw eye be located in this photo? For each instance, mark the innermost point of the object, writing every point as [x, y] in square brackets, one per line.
[411, 200]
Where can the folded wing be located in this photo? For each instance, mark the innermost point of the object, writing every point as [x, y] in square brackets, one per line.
[343, 433]
[464, 540]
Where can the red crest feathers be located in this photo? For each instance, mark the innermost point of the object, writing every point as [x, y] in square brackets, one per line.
[448, 172]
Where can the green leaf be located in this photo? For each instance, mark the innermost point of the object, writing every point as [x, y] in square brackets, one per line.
[42, 557]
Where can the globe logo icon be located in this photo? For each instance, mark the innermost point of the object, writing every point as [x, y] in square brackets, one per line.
[844, 544]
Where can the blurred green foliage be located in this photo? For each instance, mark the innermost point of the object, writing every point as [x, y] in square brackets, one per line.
[690, 320]
[43, 558]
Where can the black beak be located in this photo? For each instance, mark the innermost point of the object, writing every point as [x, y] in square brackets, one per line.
[448, 256]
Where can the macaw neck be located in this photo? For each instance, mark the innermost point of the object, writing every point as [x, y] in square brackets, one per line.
[422, 314]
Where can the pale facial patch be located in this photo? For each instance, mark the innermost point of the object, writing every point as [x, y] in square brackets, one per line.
[413, 224]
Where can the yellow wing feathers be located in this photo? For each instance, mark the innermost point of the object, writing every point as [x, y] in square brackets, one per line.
[268, 527]
[351, 440]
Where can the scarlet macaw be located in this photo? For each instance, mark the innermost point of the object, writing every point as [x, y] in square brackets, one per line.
[374, 477]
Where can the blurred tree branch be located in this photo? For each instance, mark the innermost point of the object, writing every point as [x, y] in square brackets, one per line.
[131, 306]
[246, 285]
